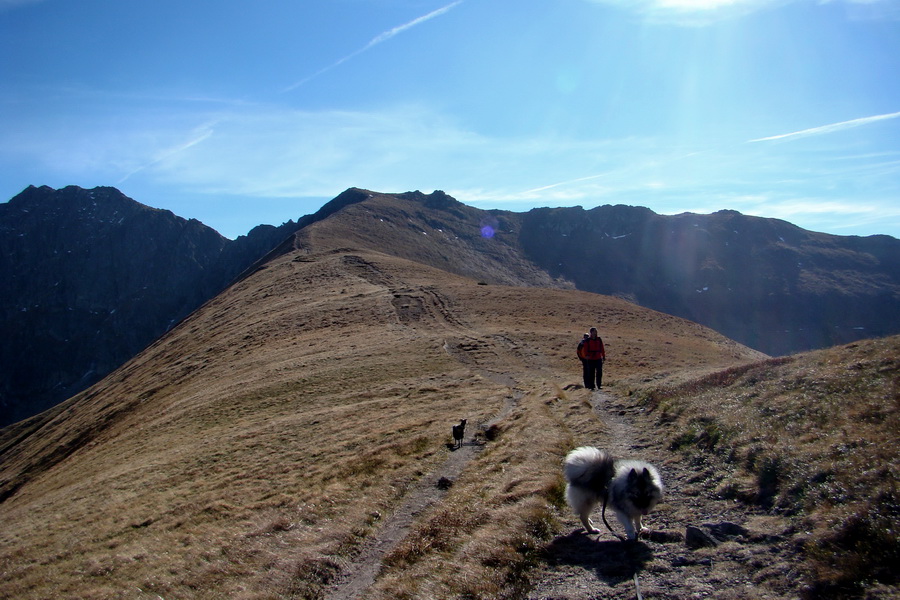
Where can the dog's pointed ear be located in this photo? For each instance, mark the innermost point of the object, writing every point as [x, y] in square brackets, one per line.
[646, 473]
[632, 475]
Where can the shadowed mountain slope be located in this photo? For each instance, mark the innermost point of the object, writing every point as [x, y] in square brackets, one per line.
[90, 277]
[253, 448]
[764, 282]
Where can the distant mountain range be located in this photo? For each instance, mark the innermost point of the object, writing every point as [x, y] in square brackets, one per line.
[91, 277]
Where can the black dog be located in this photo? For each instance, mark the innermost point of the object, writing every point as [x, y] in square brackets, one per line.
[458, 432]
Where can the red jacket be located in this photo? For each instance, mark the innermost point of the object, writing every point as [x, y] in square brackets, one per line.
[591, 349]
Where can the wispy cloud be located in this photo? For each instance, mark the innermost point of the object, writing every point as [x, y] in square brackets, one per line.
[197, 136]
[401, 28]
[378, 39]
[551, 186]
[638, 162]
[841, 215]
[831, 128]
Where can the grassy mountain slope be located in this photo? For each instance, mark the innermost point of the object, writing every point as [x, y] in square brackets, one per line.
[432, 229]
[249, 452]
[814, 438]
[77, 305]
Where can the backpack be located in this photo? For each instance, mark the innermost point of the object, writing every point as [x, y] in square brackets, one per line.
[581, 350]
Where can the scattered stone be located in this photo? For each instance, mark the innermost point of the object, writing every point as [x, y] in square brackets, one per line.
[444, 483]
[690, 561]
[142, 524]
[695, 538]
[726, 530]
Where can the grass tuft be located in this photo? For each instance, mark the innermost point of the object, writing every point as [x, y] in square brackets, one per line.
[311, 577]
[860, 548]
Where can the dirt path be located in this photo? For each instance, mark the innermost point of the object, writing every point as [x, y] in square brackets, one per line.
[732, 554]
[736, 554]
[415, 307]
[360, 573]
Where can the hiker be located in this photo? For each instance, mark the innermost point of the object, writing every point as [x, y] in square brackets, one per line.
[592, 354]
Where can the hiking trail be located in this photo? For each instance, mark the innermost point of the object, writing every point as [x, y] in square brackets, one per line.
[361, 571]
[739, 545]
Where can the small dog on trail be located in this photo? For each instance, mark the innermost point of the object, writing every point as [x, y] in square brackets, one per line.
[458, 432]
[632, 488]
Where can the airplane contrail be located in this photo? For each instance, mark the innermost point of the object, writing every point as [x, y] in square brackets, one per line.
[823, 129]
[378, 39]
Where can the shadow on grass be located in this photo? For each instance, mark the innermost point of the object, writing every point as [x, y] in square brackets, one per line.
[452, 447]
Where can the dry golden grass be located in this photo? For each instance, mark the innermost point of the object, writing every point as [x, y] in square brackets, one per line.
[814, 437]
[482, 541]
[250, 452]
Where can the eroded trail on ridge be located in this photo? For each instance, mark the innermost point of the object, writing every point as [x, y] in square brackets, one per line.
[360, 573]
[418, 307]
[744, 547]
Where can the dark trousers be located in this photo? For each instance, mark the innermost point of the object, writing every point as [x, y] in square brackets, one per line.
[593, 371]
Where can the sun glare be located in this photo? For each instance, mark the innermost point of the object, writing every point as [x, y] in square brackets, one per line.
[695, 4]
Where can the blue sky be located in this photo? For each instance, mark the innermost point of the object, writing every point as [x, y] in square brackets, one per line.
[240, 112]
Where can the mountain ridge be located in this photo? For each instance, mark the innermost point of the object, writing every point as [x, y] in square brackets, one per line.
[763, 282]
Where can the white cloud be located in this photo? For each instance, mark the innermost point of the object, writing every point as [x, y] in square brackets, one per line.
[281, 152]
[697, 4]
[848, 215]
[383, 37]
[277, 152]
[790, 209]
[870, 10]
[199, 135]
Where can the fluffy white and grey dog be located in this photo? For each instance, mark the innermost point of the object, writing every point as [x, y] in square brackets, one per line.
[632, 488]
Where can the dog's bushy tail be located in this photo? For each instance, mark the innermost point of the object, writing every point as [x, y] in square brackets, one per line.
[589, 467]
